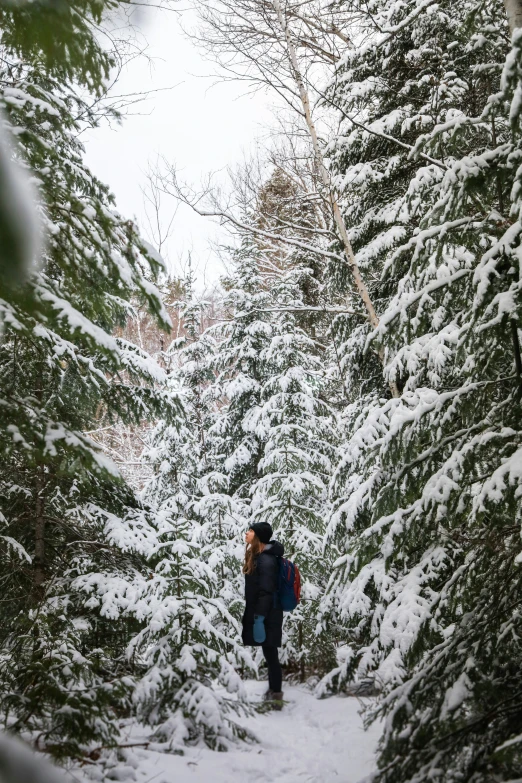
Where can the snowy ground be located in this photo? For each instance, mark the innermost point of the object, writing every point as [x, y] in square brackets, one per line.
[310, 741]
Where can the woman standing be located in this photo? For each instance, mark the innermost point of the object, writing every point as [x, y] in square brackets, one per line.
[263, 618]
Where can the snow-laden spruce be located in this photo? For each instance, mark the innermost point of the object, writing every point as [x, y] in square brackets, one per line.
[64, 372]
[427, 494]
[299, 431]
[275, 431]
[189, 643]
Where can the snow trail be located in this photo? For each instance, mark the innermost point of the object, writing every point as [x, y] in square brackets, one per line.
[313, 741]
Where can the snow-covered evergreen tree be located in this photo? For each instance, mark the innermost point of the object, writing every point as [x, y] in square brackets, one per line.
[65, 514]
[274, 436]
[240, 371]
[299, 434]
[190, 641]
[428, 491]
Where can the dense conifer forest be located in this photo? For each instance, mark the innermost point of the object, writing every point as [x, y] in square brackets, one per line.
[355, 380]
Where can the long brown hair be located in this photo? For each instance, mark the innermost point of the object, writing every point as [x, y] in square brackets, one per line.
[251, 552]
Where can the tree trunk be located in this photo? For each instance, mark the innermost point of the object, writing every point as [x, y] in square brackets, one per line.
[325, 177]
[514, 14]
[39, 534]
[302, 661]
[518, 356]
[221, 539]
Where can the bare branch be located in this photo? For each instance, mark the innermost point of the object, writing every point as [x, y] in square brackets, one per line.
[181, 194]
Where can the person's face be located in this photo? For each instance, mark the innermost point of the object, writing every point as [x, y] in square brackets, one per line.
[249, 536]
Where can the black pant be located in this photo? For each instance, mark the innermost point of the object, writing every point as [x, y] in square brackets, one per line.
[275, 676]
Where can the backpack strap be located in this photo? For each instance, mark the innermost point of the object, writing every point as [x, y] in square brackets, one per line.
[278, 589]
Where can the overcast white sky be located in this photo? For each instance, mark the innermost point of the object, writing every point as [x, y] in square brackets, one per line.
[200, 127]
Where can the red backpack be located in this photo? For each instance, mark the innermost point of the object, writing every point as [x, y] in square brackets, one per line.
[289, 585]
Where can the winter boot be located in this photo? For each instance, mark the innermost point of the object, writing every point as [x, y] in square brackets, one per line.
[275, 700]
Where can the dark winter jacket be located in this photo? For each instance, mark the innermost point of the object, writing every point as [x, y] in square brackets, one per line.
[260, 587]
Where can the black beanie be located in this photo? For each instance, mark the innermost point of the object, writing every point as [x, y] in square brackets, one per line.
[263, 531]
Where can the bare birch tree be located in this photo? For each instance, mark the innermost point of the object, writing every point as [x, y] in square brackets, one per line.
[514, 14]
[287, 48]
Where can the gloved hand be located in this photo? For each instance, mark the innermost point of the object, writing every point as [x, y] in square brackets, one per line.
[259, 628]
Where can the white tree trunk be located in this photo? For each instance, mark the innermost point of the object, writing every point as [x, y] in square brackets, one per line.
[514, 14]
[325, 176]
